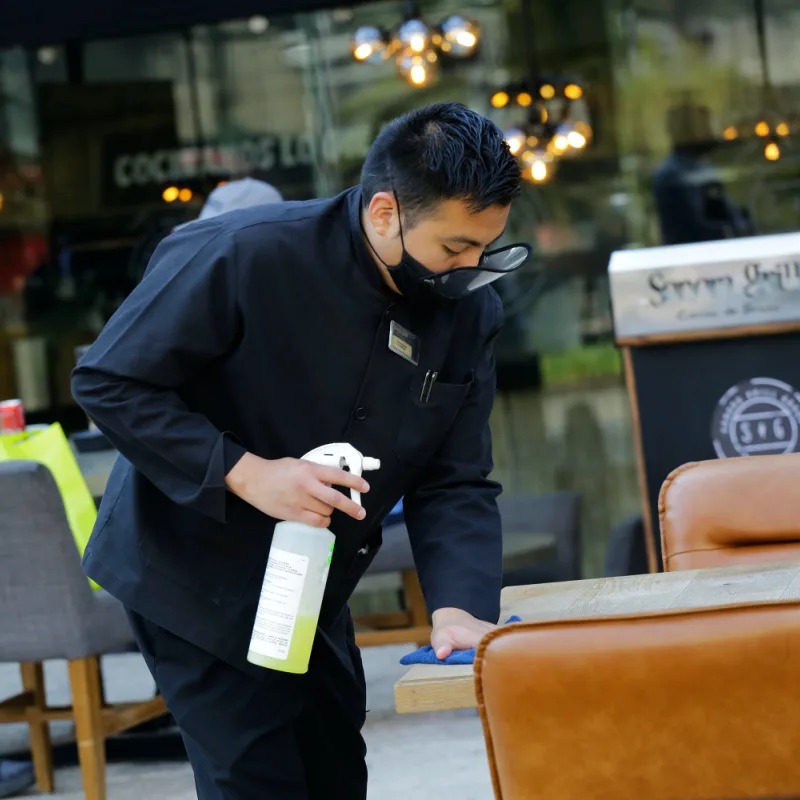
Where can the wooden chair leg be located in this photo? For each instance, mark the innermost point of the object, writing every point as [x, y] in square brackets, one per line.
[41, 745]
[415, 601]
[84, 677]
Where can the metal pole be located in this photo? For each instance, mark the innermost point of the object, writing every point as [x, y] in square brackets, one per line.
[194, 95]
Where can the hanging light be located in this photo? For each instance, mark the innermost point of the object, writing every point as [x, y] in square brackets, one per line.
[544, 131]
[417, 46]
[525, 99]
[500, 99]
[559, 144]
[585, 130]
[768, 135]
[460, 37]
[258, 24]
[540, 170]
[570, 137]
[516, 139]
[772, 152]
[419, 69]
[47, 55]
[368, 45]
[414, 36]
[538, 165]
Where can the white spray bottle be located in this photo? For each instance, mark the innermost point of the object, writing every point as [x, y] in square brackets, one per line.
[297, 571]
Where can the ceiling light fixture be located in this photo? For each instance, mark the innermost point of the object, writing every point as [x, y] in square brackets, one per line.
[418, 49]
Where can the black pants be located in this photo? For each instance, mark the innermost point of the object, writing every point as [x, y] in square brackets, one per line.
[288, 737]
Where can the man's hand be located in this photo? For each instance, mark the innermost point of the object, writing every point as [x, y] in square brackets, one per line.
[294, 489]
[454, 629]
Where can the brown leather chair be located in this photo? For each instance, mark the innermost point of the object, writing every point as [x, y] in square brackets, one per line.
[681, 705]
[731, 511]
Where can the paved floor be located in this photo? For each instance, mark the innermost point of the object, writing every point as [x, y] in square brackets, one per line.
[409, 756]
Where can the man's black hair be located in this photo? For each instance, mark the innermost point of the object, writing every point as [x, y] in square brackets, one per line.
[441, 152]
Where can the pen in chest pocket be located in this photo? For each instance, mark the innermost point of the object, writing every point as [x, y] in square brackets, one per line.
[427, 385]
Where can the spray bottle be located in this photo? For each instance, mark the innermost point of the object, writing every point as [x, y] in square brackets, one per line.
[294, 583]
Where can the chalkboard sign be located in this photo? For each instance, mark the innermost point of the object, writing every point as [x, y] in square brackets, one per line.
[709, 374]
[699, 400]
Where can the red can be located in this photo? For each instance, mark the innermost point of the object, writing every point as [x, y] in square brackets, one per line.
[12, 416]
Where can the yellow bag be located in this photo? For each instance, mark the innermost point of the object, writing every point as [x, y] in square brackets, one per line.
[50, 447]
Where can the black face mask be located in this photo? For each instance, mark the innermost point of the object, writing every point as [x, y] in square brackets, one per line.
[417, 283]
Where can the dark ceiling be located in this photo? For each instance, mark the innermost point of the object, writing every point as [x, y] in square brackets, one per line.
[33, 23]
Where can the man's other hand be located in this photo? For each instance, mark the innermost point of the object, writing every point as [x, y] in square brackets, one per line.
[454, 629]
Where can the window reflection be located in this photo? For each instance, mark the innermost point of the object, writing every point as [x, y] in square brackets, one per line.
[106, 147]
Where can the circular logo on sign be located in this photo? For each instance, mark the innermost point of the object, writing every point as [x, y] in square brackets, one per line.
[760, 416]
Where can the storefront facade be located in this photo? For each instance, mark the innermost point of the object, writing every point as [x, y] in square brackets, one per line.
[107, 141]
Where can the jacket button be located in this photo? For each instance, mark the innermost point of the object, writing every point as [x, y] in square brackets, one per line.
[360, 413]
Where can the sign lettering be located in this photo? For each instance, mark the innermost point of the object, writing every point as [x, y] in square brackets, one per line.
[750, 281]
[270, 152]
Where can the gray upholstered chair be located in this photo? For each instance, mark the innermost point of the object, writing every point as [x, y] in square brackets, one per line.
[557, 514]
[49, 611]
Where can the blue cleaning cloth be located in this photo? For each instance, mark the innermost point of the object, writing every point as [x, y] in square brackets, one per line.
[15, 777]
[396, 515]
[425, 655]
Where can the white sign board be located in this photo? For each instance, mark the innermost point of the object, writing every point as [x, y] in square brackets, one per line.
[707, 286]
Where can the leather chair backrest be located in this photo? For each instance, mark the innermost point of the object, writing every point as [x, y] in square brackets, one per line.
[731, 511]
[682, 705]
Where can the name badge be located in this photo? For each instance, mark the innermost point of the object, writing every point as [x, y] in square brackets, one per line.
[404, 343]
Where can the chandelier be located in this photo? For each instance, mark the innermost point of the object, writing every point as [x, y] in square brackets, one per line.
[545, 117]
[772, 127]
[549, 123]
[417, 47]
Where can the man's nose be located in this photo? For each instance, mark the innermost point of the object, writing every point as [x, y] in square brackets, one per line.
[470, 257]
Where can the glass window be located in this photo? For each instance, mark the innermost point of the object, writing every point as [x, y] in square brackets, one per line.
[103, 149]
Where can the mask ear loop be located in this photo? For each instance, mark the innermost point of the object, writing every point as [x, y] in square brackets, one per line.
[399, 219]
[429, 281]
[369, 243]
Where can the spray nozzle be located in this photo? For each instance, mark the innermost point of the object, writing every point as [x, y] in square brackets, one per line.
[346, 457]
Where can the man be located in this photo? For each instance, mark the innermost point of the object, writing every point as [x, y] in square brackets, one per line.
[255, 337]
[243, 192]
[691, 200]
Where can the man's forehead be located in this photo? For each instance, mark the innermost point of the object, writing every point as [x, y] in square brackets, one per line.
[471, 241]
[459, 225]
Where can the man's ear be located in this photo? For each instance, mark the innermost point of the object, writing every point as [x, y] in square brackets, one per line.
[382, 211]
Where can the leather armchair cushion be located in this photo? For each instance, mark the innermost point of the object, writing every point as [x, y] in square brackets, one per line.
[666, 706]
[731, 511]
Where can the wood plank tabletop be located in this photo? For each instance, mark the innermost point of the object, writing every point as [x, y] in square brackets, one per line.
[440, 687]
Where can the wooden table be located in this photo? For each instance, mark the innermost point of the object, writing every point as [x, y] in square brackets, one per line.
[439, 687]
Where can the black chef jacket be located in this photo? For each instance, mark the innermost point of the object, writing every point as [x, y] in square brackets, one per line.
[267, 330]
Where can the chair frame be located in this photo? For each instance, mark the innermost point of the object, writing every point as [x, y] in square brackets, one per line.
[95, 721]
[410, 624]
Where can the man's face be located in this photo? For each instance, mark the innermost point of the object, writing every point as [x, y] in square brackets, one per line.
[447, 237]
